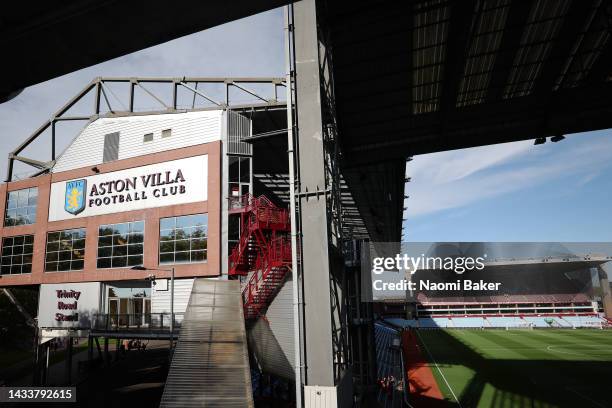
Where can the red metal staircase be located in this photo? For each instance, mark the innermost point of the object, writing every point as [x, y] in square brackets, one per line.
[263, 252]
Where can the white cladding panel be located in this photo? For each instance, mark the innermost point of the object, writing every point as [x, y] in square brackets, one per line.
[271, 339]
[160, 299]
[187, 129]
[156, 185]
[68, 304]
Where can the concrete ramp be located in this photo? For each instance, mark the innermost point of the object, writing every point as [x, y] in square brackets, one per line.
[210, 366]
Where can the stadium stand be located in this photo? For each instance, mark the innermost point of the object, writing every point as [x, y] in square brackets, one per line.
[492, 321]
[389, 365]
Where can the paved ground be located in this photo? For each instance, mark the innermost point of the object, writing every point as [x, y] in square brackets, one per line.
[136, 380]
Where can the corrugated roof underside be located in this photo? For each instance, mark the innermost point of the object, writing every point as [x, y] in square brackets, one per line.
[211, 354]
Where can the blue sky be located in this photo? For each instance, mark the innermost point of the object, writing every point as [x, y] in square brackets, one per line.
[558, 192]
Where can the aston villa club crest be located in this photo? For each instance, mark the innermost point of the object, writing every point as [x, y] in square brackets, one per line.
[75, 196]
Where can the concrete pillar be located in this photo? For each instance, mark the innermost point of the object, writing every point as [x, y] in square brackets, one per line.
[69, 361]
[312, 197]
[606, 296]
[89, 350]
[106, 354]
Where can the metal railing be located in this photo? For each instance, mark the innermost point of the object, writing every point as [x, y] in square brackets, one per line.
[141, 322]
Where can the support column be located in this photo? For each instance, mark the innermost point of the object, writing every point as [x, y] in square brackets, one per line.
[312, 198]
[89, 351]
[106, 354]
[606, 296]
[69, 361]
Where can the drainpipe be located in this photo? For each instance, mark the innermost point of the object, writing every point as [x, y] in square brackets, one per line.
[294, 261]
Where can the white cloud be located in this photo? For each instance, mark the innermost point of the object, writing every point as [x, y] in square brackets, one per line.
[459, 178]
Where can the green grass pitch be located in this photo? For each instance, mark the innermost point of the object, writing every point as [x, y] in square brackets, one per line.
[521, 368]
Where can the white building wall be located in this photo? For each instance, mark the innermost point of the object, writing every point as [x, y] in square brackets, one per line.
[188, 129]
[271, 339]
[160, 299]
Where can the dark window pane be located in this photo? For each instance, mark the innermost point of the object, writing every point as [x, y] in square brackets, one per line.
[200, 231]
[63, 266]
[6, 269]
[166, 246]
[7, 250]
[28, 249]
[134, 260]
[166, 235]
[8, 241]
[119, 240]
[66, 235]
[104, 263]
[52, 257]
[244, 169]
[104, 252]
[18, 240]
[78, 244]
[105, 241]
[16, 269]
[182, 245]
[27, 258]
[119, 262]
[198, 256]
[198, 244]
[6, 260]
[53, 236]
[136, 238]
[78, 254]
[120, 250]
[105, 230]
[135, 249]
[65, 255]
[181, 233]
[181, 257]
[28, 239]
[26, 268]
[76, 265]
[16, 259]
[53, 246]
[166, 258]
[17, 250]
[234, 170]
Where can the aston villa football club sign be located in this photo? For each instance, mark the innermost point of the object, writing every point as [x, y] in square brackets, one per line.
[169, 183]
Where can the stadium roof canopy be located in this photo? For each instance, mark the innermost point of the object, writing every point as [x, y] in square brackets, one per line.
[433, 76]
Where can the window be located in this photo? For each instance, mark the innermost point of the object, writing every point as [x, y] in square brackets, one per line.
[120, 245]
[17, 254]
[166, 133]
[65, 250]
[147, 138]
[21, 207]
[111, 147]
[183, 239]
